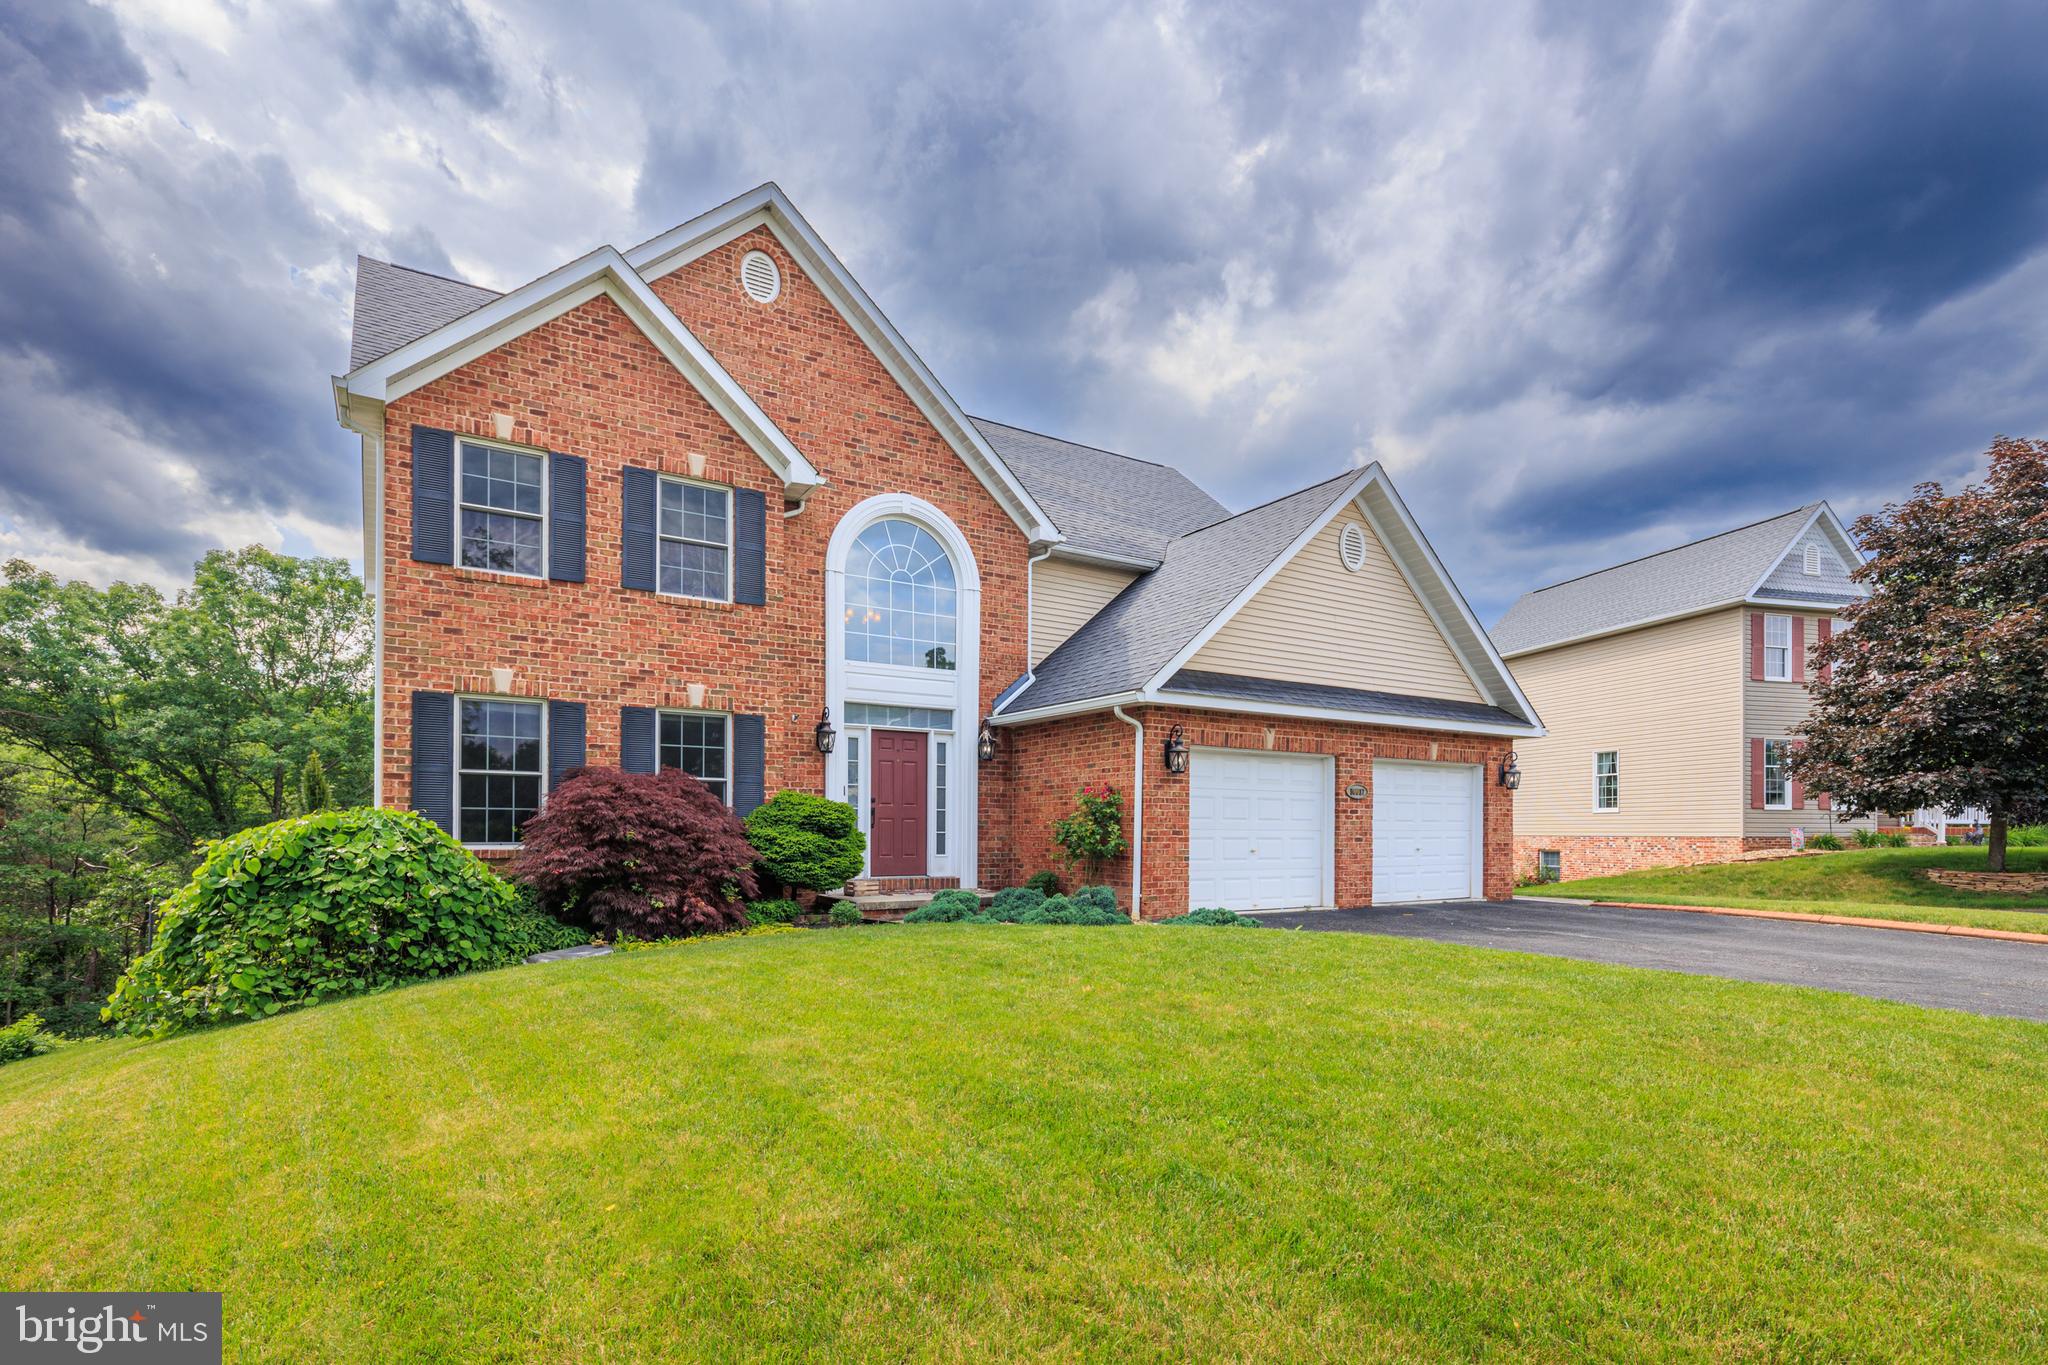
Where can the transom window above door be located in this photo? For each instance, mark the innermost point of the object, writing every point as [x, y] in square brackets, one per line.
[902, 601]
[501, 511]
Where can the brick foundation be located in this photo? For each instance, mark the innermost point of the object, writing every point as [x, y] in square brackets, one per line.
[1603, 855]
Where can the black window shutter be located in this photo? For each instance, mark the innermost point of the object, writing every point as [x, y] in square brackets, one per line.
[565, 740]
[749, 546]
[636, 568]
[565, 518]
[749, 763]
[433, 757]
[636, 739]
[433, 495]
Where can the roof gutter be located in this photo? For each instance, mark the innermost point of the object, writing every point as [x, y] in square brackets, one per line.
[1206, 702]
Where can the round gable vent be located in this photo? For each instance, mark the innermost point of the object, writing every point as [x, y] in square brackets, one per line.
[1351, 546]
[760, 277]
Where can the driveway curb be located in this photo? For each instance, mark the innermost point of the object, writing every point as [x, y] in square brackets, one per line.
[1910, 926]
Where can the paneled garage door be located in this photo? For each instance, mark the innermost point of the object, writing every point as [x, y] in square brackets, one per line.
[1425, 832]
[1258, 830]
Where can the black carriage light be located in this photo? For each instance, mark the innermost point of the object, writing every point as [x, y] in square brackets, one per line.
[1510, 775]
[1176, 753]
[985, 742]
[826, 736]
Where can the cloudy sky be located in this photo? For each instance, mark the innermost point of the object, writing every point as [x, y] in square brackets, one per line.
[1588, 278]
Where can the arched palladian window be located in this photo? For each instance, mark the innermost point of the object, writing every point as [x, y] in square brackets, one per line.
[902, 605]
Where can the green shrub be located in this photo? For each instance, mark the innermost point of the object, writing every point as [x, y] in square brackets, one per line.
[1094, 832]
[844, 913]
[638, 945]
[25, 1038]
[2027, 836]
[805, 840]
[948, 907]
[1895, 839]
[1827, 843]
[1101, 897]
[1213, 916]
[773, 912]
[1013, 902]
[533, 931]
[1073, 910]
[311, 908]
[1866, 838]
[1044, 883]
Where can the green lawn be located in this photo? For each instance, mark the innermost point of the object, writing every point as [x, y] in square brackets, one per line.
[957, 1142]
[1879, 883]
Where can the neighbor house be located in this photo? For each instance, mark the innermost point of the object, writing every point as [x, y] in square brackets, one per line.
[699, 505]
[1670, 686]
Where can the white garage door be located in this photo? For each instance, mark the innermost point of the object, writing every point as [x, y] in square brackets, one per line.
[1258, 830]
[1425, 832]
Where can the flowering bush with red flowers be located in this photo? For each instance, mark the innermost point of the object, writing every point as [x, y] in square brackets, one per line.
[639, 855]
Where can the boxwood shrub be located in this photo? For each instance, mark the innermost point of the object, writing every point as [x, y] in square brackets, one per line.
[329, 904]
[773, 912]
[808, 841]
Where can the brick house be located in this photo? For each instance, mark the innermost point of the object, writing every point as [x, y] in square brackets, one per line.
[694, 504]
[1670, 686]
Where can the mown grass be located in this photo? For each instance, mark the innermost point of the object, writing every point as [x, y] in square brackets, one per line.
[958, 1142]
[1878, 883]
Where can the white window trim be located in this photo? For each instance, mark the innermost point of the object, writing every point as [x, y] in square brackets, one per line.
[934, 855]
[546, 507]
[731, 554]
[456, 795]
[725, 716]
[1786, 676]
[1769, 804]
[1599, 809]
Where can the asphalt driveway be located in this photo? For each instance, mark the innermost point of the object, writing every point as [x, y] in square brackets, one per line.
[1984, 976]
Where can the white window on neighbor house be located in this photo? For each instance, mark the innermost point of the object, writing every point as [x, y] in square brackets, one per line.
[1778, 648]
[502, 511]
[1549, 865]
[497, 768]
[1812, 566]
[695, 741]
[695, 544]
[1607, 780]
[1777, 780]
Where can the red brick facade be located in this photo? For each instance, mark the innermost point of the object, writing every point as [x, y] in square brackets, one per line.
[591, 384]
[1603, 855]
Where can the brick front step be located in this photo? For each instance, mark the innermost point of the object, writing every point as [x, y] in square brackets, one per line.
[876, 886]
[894, 905]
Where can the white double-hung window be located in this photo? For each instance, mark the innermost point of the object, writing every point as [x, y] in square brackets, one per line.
[1777, 778]
[1607, 780]
[695, 541]
[503, 511]
[1778, 649]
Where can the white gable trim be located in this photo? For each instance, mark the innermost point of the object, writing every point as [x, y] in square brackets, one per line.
[767, 206]
[604, 271]
[1829, 522]
[1503, 692]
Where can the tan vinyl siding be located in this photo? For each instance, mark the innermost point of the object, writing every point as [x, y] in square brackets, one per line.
[1064, 596]
[1317, 622]
[1667, 699]
[1769, 711]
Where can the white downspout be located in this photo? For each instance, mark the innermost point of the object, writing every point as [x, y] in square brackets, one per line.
[1137, 808]
[1031, 612]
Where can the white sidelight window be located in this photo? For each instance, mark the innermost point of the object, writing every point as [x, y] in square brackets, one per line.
[1607, 780]
[1778, 649]
[853, 779]
[503, 510]
[940, 748]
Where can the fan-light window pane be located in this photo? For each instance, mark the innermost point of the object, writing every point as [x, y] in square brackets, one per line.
[902, 602]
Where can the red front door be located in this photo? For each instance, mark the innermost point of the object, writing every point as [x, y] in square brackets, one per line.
[896, 818]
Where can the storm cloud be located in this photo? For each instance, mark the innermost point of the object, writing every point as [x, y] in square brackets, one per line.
[1589, 279]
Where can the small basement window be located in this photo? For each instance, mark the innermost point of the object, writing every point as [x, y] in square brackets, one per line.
[1549, 865]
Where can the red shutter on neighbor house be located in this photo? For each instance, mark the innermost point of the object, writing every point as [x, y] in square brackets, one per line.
[1756, 646]
[1799, 649]
[1756, 772]
[1827, 631]
[1798, 792]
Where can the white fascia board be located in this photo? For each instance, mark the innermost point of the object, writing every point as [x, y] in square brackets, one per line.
[1476, 632]
[1068, 552]
[1202, 637]
[767, 206]
[1196, 701]
[603, 271]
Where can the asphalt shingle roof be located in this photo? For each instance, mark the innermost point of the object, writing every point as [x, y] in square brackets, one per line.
[1131, 639]
[1236, 688]
[1103, 502]
[1692, 577]
[396, 304]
